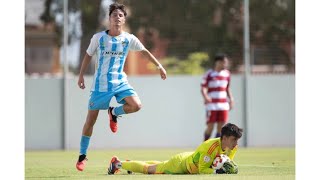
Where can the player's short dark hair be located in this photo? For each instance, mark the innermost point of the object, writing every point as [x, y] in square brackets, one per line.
[231, 130]
[219, 57]
[115, 6]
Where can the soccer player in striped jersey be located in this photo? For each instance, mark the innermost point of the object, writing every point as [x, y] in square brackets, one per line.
[218, 99]
[111, 48]
[197, 162]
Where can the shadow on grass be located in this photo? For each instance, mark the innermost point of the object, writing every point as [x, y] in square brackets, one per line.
[55, 177]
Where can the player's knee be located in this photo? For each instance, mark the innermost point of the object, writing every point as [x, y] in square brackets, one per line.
[136, 107]
[152, 169]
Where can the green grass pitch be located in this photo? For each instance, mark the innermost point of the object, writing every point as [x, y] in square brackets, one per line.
[254, 163]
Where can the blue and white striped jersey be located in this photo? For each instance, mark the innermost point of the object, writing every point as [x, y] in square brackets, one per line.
[111, 54]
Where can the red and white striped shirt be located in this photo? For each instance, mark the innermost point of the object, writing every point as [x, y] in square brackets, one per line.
[217, 84]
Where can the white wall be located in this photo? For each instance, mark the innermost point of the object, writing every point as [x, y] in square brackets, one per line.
[172, 114]
[43, 114]
[271, 111]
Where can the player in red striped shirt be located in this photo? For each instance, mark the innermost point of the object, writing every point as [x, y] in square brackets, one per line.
[218, 99]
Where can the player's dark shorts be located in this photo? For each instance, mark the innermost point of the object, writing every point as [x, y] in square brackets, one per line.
[217, 116]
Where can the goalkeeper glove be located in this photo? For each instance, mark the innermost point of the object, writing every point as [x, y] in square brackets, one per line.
[219, 171]
[228, 167]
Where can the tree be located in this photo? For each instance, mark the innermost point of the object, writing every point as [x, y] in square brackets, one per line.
[89, 10]
[193, 64]
[273, 28]
[90, 23]
[213, 25]
[189, 25]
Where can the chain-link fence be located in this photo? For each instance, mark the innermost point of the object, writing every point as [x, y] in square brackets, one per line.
[172, 30]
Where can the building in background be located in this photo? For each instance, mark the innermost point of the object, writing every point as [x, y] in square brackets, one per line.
[41, 52]
[43, 55]
[167, 36]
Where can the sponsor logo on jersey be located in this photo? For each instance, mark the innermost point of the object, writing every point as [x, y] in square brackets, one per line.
[124, 43]
[113, 53]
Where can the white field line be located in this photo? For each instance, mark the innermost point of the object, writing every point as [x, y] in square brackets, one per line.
[253, 165]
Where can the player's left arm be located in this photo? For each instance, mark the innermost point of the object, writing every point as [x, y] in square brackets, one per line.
[229, 167]
[151, 58]
[230, 96]
[233, 152]
[136, 45]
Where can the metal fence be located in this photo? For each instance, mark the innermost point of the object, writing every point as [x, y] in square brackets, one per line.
[210, 26]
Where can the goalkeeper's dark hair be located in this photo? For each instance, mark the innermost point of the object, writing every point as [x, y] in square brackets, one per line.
[115, 6]
[231, 130]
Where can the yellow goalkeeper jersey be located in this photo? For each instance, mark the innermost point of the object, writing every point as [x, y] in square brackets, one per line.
[201, 160]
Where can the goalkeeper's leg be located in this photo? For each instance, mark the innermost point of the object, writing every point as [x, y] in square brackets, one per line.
[152, 162]
[150, 167]
[145, 167]
[176, 165]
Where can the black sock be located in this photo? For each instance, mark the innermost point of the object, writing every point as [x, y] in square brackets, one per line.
[206, 136]
[81, 157]
[218, 135]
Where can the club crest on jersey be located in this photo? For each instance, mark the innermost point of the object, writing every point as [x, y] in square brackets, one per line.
[206, 159]
[124, 43]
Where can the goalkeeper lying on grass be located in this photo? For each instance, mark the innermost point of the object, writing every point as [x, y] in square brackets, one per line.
[197, 162]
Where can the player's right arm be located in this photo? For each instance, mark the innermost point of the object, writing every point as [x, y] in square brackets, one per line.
[87, 57]
[204, 92]
[204, 88]
[233, 152]
[84, 65]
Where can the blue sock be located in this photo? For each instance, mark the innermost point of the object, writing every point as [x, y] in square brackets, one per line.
[118, 111]
[84, 144]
